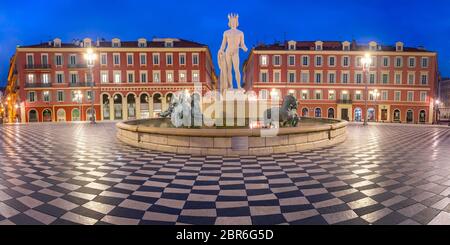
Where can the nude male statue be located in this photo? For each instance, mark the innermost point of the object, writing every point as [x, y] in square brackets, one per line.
[233, 40]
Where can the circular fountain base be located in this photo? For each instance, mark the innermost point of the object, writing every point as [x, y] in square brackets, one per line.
[149, 134]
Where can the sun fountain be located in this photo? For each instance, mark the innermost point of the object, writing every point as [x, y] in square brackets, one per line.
[231, 122]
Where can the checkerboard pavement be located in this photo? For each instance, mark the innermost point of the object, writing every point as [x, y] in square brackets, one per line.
[80, 174]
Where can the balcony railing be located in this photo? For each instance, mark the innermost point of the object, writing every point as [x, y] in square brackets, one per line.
[38, 85]
[87, 84]
[345, 102]
[79, 66]
[40, 66]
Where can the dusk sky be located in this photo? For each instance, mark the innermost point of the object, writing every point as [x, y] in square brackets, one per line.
[414, 22]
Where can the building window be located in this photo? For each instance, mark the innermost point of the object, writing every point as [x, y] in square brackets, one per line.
[169, 59]
[384, 95]
[425, 62]
[116, 59]
[318, 95]
[412, 62]
[423, 96]
[385, 61]
[264, 77]
[332, 61]
[398, 96]
[291, 60]
[305, 60]
[44, 59]
[130, 76]
[345, 61]
[60, 96]
[73, 78]
[385, 78]
[195, 59]
[46, 96]
[372, 78]
[358, 95]
[318, 61]
[318, 77]
[411, 79]
[104, 77]
[344, 78]
[89, 95]
[103, 59]
[374, 61]
[144, 77]
[117, 77]
[305, 94]
[130, 59]
[424, 79]
[264, 60]
[156, 76]
[32, 96]
[398, 78]
[291, 77]
[72, 59]
[277, 60]
[155, 59]
[264, 95]
[276, 76]
[305, 77]
[58, 60]
[195, 76]
[169, 76]
[358, 61]
[410, 96]
[398, 62]
[30, 59]
[183, 76]
[331, 77]
[143, 58]
[60, 77]
[331, 95]
[182, 59]
[30, 78]
[358, 78]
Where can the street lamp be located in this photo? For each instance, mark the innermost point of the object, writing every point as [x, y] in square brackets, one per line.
[366, 63]
[90, 57]
[438, 102]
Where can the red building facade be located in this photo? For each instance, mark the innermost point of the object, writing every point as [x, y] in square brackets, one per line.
[329, 80]
[131, 80]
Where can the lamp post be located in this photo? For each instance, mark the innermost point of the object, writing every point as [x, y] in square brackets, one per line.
[366, 62]
[90, 57]
[437, 111]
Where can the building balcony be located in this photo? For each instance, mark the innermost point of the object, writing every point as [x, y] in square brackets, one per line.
[82, 85]
[345, 102]
[77, 66]
[38, 67]
[38, 85]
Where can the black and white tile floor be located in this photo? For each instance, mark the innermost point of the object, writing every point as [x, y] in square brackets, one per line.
[80, 174]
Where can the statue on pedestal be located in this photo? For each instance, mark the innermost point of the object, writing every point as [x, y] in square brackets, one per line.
[228, 56]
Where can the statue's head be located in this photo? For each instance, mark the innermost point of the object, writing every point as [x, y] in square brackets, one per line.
[233, 21]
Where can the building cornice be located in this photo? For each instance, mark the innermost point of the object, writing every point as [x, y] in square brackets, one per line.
[361, 53]
[117, 50]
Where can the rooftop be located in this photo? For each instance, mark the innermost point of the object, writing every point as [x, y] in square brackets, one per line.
[155, 43]
[336, 46]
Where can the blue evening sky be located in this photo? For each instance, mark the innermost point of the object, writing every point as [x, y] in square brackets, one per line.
[386, 21]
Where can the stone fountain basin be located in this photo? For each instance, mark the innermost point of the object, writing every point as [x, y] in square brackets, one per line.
[230, 141]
